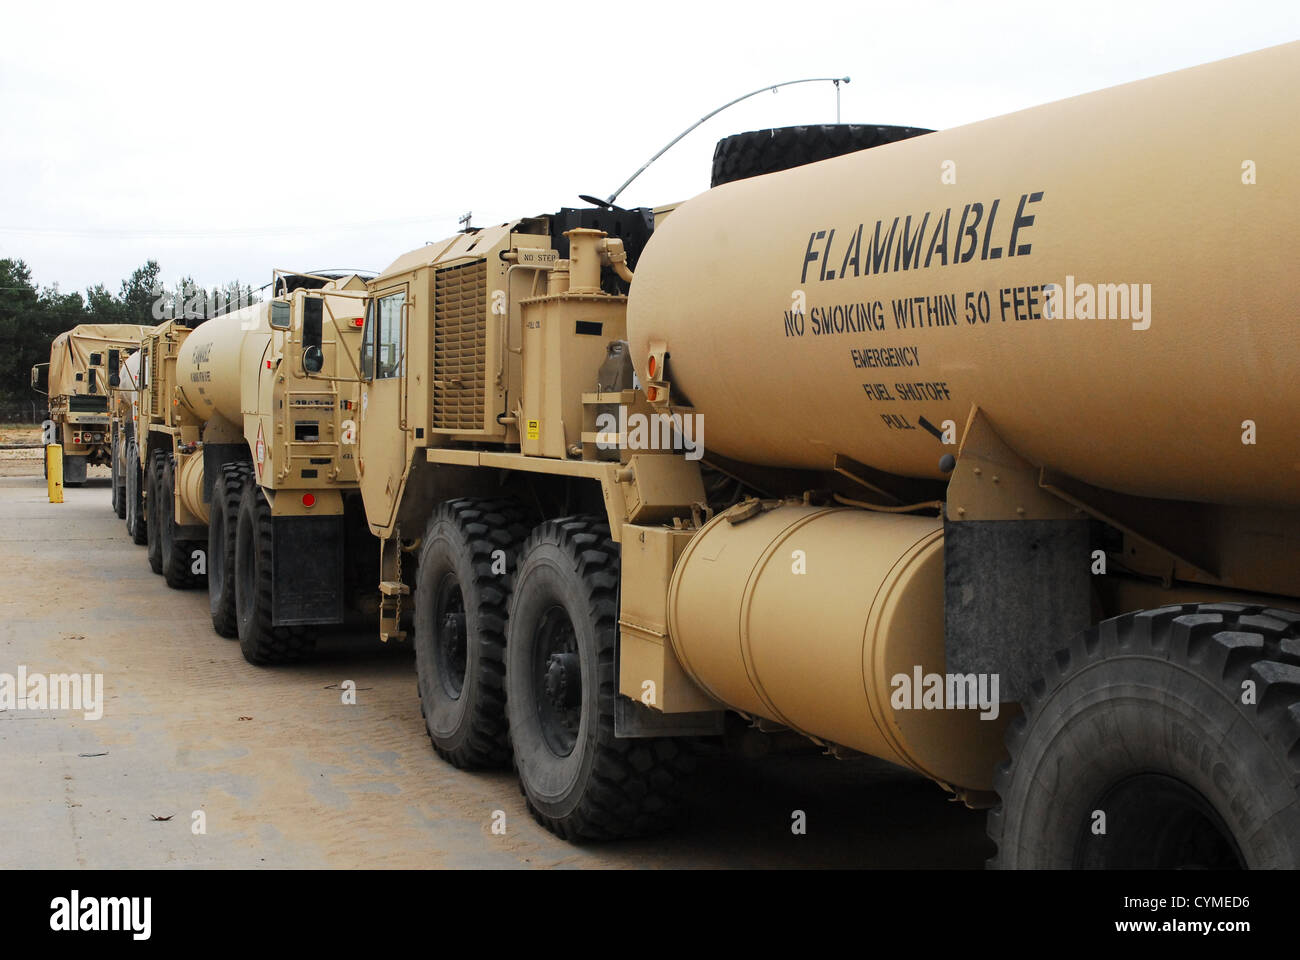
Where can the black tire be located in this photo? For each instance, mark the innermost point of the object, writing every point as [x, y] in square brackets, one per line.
[223, 526]
[461, 600]
[153, 509]
[1142, 720]
[177, 554]
[119, 501]
[260, 642]
[579, 781]
[135, 512]
[757, 152]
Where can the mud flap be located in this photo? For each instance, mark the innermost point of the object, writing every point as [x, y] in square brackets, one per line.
[74, 470]
[307, 570]
[1015, 592]
[214, 456]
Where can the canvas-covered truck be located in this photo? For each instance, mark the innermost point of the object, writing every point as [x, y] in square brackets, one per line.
[246, 470]
[973, 452]
[79, 380]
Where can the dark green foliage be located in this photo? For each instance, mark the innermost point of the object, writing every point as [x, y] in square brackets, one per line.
[30, 317]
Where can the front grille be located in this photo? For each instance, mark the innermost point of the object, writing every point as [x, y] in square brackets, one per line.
[155, 379]
[459, 346]
[82, 403]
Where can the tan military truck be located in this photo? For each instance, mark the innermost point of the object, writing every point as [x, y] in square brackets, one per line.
[247, 475]
[79, 379]
[122, 411]
[962, 479]
[966, 504]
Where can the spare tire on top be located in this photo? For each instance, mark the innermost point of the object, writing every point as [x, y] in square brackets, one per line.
[757, 152]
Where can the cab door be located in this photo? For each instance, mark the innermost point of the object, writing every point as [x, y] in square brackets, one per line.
[382, 450]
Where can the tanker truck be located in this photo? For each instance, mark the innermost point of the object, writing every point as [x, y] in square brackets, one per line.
[122, 411]
[80, 377]
[245, 474]
[966, 503]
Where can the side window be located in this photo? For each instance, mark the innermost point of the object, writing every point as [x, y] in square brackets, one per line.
[389, 346]
[368, 343]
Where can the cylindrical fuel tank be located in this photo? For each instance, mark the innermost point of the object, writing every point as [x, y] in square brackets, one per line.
[854, 305]
[809, 616]
[216, 356]
[189, 485]
[128, 378]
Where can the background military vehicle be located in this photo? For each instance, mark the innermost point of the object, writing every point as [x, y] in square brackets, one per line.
[246, 475]
[82, 371]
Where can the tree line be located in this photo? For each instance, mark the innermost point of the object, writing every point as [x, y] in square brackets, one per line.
[30, 317]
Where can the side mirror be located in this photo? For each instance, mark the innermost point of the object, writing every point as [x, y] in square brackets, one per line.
[312, 359]
[39, 373]
[114, 368]
[280, 315]
[313, 354]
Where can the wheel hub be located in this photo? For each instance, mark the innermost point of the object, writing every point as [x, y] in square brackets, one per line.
[557, 667]
[451, 650]
[453, 630]
[563, 680]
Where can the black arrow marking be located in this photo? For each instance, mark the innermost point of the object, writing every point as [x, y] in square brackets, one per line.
[932, 428]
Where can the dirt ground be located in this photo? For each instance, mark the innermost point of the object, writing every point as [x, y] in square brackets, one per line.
[287, 775]
[20, 433]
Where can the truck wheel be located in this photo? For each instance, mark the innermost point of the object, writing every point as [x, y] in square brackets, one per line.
[153, 510]
[461, 596]
[757, 152]
[259, 641]
[177, 555]
[579, 781]
[1136, 749]
[223, 525]
[135, 519]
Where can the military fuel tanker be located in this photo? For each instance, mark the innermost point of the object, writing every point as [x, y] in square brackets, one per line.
[973, 443]
[246, 475]
[1069, 330]
[123, 410]
[971, 450]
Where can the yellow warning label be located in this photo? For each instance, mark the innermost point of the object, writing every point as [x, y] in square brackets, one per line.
[534, 429]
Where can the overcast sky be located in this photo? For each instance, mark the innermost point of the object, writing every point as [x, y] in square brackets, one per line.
[227, 139]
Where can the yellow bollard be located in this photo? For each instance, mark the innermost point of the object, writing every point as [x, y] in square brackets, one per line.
[54, 471]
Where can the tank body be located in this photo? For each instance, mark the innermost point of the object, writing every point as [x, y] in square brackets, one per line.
[1109, 278]
[216, 360]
